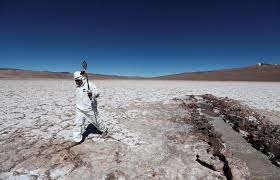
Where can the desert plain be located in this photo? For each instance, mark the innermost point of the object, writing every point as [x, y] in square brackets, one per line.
[148, 137]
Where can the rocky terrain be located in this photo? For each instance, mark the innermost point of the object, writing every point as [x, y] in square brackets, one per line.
[157, 131]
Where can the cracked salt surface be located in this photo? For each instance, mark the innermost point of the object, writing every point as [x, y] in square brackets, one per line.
[36, 121]
[262, 95]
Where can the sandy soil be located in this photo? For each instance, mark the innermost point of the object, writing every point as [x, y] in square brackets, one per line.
[37, 119]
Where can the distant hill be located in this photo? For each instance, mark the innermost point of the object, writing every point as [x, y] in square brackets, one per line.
[10, 73]
[258, 72]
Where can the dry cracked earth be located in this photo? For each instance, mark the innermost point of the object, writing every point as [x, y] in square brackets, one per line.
[154, 131]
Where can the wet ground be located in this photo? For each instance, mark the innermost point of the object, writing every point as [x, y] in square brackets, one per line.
[260, 165]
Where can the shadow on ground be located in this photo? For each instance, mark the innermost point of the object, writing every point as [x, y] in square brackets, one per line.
[91, 129]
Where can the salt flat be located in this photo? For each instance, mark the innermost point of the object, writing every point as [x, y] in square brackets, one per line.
[261, 95]
[37, 119]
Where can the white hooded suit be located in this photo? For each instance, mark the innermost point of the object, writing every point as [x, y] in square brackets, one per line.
[86, 111]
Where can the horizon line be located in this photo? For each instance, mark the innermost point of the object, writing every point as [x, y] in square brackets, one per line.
[137, 76]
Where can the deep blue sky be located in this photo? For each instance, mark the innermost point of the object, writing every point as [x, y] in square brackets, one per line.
[138, 37]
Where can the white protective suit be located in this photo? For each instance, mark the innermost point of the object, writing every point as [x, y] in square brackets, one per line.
[86, 111]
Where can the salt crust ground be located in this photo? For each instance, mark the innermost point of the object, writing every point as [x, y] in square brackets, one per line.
[36, 119]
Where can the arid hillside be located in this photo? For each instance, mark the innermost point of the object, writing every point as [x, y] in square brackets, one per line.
[258, 72]
[10, 73]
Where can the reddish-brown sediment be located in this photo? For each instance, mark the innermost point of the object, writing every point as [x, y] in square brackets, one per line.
[232, 167]
[262, 134]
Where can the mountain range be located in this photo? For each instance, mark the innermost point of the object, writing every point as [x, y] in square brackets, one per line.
[257, 72]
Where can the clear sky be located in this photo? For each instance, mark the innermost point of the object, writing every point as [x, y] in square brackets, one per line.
[138, 37]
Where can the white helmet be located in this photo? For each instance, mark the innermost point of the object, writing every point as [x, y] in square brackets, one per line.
[77, 75]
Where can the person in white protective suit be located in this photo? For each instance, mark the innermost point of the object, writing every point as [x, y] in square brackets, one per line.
[86, 108]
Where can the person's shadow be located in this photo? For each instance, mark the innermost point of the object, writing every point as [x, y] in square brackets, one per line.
[91, 129]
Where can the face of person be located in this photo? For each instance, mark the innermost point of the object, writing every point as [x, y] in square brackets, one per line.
[78, 82]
